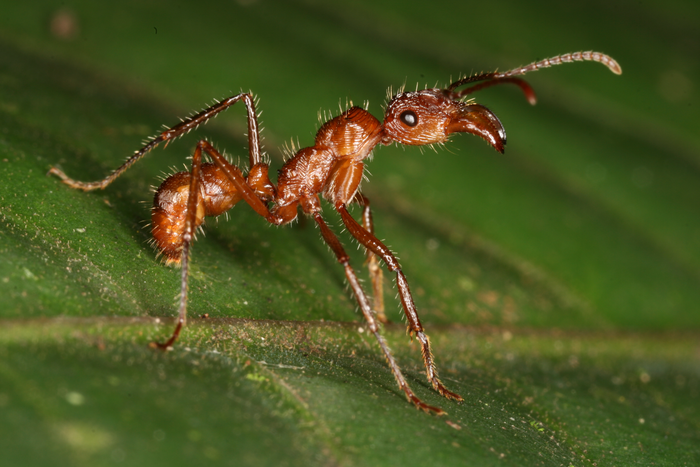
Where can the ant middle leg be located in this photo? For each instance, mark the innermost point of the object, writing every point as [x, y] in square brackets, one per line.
[414, 325]
[375, 271]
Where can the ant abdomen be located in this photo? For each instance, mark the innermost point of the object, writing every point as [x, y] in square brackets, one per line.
[169, 212]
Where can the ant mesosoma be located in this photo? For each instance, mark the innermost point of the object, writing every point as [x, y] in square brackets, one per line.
[333, 167]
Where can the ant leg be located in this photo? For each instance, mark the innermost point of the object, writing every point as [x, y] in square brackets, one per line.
[234, 174]
[174, 132]
[375, 270]
[332, 240]
[187, 237]
[414, 325]
[247, 193]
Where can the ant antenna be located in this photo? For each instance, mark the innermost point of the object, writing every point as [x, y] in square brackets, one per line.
[493, 78]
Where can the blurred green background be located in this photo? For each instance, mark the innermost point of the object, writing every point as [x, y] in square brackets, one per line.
[560, 282]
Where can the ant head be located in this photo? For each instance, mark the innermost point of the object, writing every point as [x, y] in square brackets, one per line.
[432, 115]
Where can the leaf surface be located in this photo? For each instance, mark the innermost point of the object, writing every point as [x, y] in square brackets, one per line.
[559, 282]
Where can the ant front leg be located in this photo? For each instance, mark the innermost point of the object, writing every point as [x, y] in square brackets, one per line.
[414, 325]
[332, 240]
[375, 271]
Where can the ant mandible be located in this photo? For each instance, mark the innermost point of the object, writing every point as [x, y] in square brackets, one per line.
[334, 168]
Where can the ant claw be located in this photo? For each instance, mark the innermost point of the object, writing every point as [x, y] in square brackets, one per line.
[425, 407]
[160, 346]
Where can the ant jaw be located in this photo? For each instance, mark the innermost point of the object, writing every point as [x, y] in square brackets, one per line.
[480, 121]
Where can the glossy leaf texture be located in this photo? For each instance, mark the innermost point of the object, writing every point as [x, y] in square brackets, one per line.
[559, 282]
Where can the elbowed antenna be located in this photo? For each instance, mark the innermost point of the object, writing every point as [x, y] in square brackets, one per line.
[493, 78]
[589, 56]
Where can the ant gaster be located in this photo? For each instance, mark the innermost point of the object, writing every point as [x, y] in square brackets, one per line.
[333, 167]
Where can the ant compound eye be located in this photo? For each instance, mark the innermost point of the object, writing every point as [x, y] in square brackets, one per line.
[409, 118]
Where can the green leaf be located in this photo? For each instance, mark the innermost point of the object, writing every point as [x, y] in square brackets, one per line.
[559, 282]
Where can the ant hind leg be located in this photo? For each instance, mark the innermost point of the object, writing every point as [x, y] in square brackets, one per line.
[187, 236]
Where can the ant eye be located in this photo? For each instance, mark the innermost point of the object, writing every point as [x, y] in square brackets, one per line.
[409, 118]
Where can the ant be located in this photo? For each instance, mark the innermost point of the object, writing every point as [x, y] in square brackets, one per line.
[333, 167]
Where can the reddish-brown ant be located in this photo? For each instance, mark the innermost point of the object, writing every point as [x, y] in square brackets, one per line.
[334, 167]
